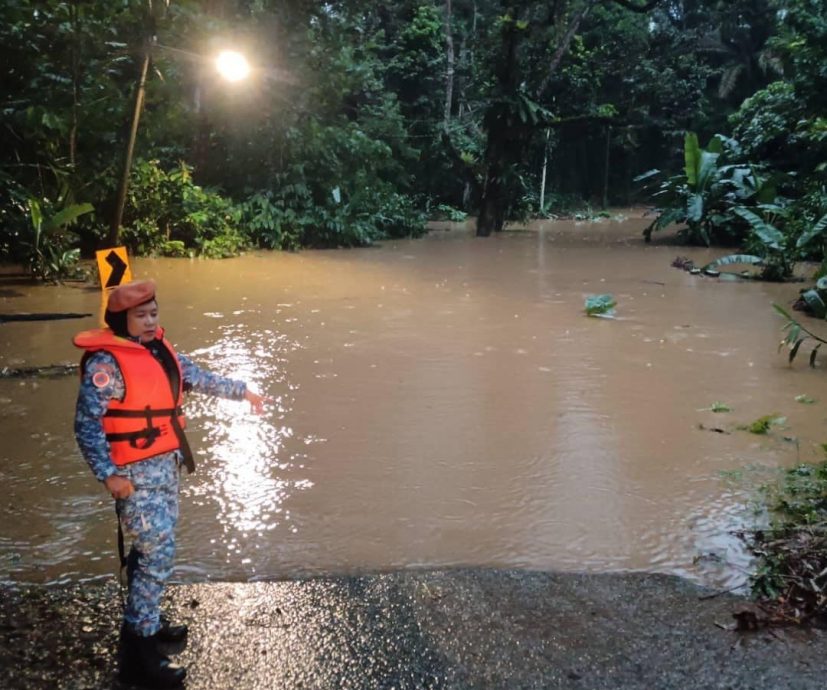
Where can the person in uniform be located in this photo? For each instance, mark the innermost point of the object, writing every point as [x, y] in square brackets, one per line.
[130, 429]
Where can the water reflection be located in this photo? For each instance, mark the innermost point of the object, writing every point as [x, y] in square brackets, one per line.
[245, 456]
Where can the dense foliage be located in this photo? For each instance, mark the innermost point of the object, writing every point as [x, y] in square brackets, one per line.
[361, 119]
[766, 187]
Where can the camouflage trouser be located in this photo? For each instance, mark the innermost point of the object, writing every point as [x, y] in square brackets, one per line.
[148, 519]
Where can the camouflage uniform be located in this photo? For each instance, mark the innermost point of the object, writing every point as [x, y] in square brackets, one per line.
[149, 516]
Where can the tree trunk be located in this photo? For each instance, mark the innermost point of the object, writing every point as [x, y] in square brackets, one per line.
[606, 167]
[492, 211]
[563, 48]
[502, 144]
[73, 130]
[505, 144]
[449, 72]
[493, 201]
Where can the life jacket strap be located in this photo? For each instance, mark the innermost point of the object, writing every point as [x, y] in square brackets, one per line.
[146, 436]
[146, 412]
[121, 555]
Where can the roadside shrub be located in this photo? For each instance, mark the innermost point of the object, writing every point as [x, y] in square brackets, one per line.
[447, 212]
[167, 213]
[276, 221]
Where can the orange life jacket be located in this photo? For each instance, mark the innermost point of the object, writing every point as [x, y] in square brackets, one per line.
[148, 421]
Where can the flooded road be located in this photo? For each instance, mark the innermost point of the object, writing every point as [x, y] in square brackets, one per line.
[440, 402]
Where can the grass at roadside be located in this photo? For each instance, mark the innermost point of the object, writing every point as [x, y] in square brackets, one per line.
[790, 582]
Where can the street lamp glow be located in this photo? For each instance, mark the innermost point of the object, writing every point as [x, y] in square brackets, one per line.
[232, 65]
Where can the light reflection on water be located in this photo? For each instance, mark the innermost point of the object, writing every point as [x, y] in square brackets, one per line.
[245, 456]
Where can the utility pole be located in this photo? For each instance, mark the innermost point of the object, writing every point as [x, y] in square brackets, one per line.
[120, 201]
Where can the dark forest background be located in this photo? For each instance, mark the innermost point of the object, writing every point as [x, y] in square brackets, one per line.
[361, 120]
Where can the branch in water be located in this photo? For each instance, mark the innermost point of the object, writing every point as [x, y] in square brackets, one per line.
[45, 316]
[48, 371]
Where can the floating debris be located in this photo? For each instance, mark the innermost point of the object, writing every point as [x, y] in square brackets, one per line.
[601, 305]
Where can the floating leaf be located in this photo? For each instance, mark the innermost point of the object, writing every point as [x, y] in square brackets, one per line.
[762, 424]
[717, 406]
[600, 305]
[805, 399]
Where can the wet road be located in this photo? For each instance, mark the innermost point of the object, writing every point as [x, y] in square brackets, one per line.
[414, 630]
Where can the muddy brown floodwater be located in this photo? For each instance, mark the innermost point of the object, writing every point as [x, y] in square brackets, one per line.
[440, 402]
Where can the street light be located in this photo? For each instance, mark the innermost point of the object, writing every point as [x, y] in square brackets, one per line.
[230, 64]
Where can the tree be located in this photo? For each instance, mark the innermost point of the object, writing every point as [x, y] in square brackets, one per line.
[513, 112]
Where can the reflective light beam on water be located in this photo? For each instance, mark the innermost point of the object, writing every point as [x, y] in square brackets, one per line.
[244, 454]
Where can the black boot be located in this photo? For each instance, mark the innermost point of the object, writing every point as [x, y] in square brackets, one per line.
[171, 634]
[142, 663]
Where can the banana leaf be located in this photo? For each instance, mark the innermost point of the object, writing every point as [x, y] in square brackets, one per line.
[815, 231]
[68, 215]
[646, 175]
[715, 145]
[732, 259]
[695, 207]
[707, 169]
[815, 303]
[692, 158]
[37, 220]
[782, 311]
[741, 177]
[731, 277]
[771, 236]
[727, 143]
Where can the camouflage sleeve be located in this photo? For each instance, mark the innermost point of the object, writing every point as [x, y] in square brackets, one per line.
[206, 382]
[101, 381]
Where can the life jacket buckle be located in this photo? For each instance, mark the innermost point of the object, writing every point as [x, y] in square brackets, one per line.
[149, 435]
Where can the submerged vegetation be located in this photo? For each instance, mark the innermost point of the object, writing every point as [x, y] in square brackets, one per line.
[796, 334]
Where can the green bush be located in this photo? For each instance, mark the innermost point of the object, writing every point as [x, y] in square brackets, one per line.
[167, 213]
[47, 249]
[706, 196]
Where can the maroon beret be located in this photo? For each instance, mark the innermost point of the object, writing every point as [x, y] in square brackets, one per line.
[131, 295]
